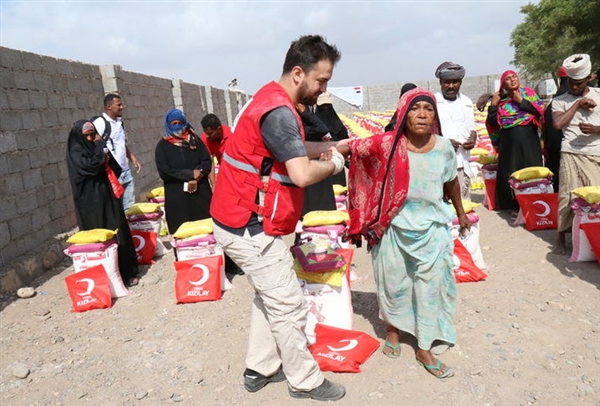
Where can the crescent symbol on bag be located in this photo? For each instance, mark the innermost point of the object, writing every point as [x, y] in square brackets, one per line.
[205, 274]
[545, 206]
[142, 242]
[90, 286]
[351, 345]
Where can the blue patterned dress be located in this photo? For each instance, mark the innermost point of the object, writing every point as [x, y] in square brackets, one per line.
[413, 263]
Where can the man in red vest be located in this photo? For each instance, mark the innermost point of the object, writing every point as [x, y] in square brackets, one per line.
[259, 198]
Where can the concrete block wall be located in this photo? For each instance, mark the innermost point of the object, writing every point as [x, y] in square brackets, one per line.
[41, 98]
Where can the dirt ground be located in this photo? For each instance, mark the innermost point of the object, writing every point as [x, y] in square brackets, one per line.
[529, 334]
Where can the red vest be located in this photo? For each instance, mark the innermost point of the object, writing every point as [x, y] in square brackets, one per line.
[235, 195]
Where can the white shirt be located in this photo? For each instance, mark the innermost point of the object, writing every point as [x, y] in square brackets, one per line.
[117, 141]
[457, 120]
[575, 141]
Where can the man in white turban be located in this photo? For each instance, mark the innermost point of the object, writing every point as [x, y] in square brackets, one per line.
[457, 119]
[577, 114]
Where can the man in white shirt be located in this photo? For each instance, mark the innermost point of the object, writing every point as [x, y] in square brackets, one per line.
[577, 114]
[457, 118]
[117, 144]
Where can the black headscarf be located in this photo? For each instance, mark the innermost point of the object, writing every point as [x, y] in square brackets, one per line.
[327, 114]
[84, 158]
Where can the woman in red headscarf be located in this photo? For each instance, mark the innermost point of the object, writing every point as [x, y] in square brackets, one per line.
[513, 122]
[397, 182]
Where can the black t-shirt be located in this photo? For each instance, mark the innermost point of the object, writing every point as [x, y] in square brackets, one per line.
[281, 135]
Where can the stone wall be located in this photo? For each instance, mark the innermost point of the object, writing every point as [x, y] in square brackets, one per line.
[41, 98]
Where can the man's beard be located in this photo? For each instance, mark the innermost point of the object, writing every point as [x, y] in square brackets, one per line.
[305, 97]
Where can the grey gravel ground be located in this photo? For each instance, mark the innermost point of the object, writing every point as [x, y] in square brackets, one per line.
[530, 334]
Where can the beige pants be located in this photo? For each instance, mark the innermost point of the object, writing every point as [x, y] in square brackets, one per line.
[576, 170]
[278, 310]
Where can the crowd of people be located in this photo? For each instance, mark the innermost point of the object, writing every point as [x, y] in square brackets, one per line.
[280, 160]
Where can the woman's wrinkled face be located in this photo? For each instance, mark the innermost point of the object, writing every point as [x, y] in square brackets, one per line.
[511, 82]
[420, 118]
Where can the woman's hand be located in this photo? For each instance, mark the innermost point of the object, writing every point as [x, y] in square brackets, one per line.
[192, 186]
[516, 96]
[495, 99]
[464, 224]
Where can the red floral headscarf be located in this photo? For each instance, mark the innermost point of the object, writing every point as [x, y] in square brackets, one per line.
[378, 176]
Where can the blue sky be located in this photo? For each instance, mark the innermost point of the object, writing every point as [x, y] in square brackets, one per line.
[211, 42]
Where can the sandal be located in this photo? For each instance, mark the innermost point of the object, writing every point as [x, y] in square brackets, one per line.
[395, 353]
[448, 373]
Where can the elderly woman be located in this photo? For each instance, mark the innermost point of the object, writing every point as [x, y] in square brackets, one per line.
[514, 119]
[98, 201]
[397, 183]
[183, 163]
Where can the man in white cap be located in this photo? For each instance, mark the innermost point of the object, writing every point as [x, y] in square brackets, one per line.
[457, 119]
[577, 114]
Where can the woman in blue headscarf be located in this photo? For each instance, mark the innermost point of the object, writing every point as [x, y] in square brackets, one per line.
[183, 163]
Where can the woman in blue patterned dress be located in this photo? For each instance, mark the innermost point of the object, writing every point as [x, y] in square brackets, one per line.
[412, 252]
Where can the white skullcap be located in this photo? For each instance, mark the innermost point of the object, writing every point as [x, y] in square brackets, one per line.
[578, 66]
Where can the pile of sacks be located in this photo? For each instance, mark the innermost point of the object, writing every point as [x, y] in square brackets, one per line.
[96, 263]
[145, 222]
[157, 195]
[586, 224]
[200, 263]
[323, 265]
[538, 203]
[489, 169]
[341, 197]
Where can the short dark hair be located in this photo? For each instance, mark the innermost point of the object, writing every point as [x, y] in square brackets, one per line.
[309, 50]
[210, 121]
[108, 99]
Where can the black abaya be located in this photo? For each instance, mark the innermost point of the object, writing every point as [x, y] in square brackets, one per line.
[175, 166]
[519, 148]
[95, 204]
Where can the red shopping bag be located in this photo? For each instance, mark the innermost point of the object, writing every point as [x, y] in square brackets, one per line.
[465, 269]
[340, 350]
[145, 245]
[198, 280]
[540, 210]
[592, 232]
[89, 289]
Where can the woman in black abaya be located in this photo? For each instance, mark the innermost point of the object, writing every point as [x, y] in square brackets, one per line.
[96, 205]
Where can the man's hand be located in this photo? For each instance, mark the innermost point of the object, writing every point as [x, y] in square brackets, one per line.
[136, 163]
[588, 128]
[586, 103]
[470, 143]
[455, 144]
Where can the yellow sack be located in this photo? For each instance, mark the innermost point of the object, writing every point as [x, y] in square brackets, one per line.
[590, 194]
[143, 208]
[468, 205]
[324, 218]
[339, 190]
[531, 173]
[333, 278]
[92, 236]
[479, 151]
[156, 192]
[488, 159]
[190, 228]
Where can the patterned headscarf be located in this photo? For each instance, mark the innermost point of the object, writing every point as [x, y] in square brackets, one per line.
[378, 176]
[510, 114]
[180, 135]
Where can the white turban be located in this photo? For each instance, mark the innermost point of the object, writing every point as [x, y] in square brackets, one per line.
[578, 66]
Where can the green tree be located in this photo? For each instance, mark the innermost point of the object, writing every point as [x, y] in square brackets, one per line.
[553, 30]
